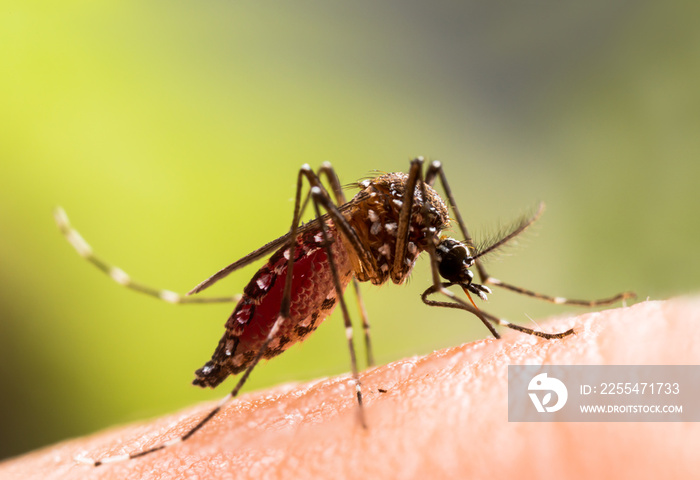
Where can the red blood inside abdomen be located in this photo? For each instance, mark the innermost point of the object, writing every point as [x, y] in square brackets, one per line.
[311, 283]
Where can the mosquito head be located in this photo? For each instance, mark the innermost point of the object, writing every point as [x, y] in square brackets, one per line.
[454, 260]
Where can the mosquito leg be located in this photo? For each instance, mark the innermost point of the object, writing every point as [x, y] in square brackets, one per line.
[119, 275]
[560, 300]
[485, 317]
[398, 269]
[318, 199]
[435, 169]
[329, 172]
[457, 303]
[415, 178]
[365, 322]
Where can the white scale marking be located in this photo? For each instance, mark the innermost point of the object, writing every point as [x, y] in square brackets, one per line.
[117, 458]
[82, 247]
[119, 276]
[263, 281]
[170, 296]
[412, 248]
[61, 217]
[385, 250]
[224, 400]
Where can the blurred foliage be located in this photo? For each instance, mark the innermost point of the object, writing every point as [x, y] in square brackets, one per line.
[171, 132]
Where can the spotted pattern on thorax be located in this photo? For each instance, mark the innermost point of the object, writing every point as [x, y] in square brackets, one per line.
[375, 218]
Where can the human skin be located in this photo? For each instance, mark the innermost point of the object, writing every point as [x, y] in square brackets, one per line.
[439, 416]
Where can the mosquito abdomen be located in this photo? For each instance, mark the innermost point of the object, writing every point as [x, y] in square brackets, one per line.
[313, 299]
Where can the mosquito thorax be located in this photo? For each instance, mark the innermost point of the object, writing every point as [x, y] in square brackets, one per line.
[454, 259]
[376, 218]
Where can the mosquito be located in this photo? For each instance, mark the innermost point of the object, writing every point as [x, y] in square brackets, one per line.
[375, 237]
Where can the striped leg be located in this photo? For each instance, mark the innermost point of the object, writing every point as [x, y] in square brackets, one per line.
[560, 300]
[327, 170]
[485, 317]
[119, 275]
[320, 199]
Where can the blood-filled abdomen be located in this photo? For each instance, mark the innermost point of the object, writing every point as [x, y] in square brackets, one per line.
[312, 300]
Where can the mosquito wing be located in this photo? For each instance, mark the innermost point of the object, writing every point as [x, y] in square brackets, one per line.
[312, 226]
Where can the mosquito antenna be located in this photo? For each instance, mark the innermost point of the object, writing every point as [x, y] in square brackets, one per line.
[503, 238]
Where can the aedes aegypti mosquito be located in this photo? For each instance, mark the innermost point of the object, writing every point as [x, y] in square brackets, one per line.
[375, 237]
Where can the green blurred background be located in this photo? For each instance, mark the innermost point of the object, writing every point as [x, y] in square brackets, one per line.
[171, 132]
